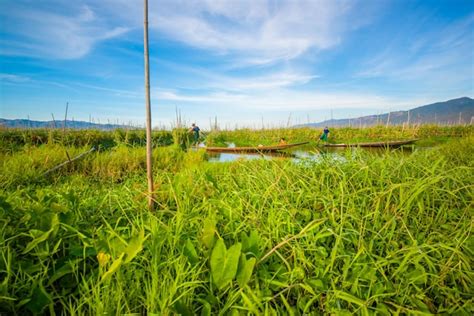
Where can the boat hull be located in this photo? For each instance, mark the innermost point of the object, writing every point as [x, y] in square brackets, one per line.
[376, 144]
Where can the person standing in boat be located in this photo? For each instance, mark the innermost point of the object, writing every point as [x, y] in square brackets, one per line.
[195, 130]
[325, 135]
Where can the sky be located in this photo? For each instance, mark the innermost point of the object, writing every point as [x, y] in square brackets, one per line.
[242, 63]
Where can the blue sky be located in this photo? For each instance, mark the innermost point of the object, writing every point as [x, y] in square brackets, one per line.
[243, 62]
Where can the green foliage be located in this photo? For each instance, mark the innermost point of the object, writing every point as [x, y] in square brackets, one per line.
[245, 269]
[190, 252]
[251, 137]
[357, 234]
[114, 267]
[208, 233]
[224, 263]
[13, 139]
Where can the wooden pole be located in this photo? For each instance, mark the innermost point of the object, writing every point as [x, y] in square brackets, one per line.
[65, 119]
[54, 121]
[149, 170]
[69, 161]
[289, 121]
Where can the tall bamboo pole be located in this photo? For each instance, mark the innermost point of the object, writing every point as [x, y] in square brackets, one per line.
[149, 171]
[65, 120]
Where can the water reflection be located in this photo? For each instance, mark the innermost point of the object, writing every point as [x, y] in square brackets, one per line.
[307, 153]
[225, 157]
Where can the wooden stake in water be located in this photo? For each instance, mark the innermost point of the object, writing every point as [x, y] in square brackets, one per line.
[65, 120]
[64, 130]
[149, 170]
[54, 121]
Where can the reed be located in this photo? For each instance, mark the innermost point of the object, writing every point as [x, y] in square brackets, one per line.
[365, 234]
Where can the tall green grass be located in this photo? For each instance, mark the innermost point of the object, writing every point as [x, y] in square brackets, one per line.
[430, 134]
[367, 234]
[12, 140]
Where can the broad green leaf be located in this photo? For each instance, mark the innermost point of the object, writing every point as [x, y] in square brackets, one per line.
[55, 224]
[206, 309]
[212, 299]
[250, 243]
[218, 257]
[114, 267]
[208, 233]
[352, 299]
[135, 245]
[244, 272]
[182, 309]
[68, 267]
[224, 263]
[317, 284]
[39, 300]
[234, 312]
[116, 245]
[38, 237]
[190, 252]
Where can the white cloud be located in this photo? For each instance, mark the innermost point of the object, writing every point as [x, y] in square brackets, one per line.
[251, 31]
[47, 34]
[287, 100]
[248, 31]
[193, 77]
[12, 78]
[434, 55]
[265, 31]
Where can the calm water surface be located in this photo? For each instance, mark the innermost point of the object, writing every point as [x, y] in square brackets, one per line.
[301, 153]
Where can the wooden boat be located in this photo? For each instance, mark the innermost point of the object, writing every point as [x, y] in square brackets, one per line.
[392, 144]
[256, 149]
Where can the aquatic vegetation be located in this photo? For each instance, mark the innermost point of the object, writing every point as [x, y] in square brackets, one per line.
[368, 234]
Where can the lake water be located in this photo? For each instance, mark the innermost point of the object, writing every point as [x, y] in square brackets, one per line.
[301, 153]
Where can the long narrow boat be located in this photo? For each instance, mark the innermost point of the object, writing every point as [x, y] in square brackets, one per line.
[392, 144]
[249, 149]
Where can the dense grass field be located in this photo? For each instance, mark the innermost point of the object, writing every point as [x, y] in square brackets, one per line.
[361, 234]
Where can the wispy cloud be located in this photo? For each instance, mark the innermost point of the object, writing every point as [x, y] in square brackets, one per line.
[264, 80]
[248, 32]
[31, 81]
[44, 33]
[246, 55]
[264, 31]
[12, 78]
[251, 31]
[287, 100]
[428, 55]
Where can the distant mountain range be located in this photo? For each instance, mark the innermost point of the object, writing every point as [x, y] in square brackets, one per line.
[21, 123]
[456, 111]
